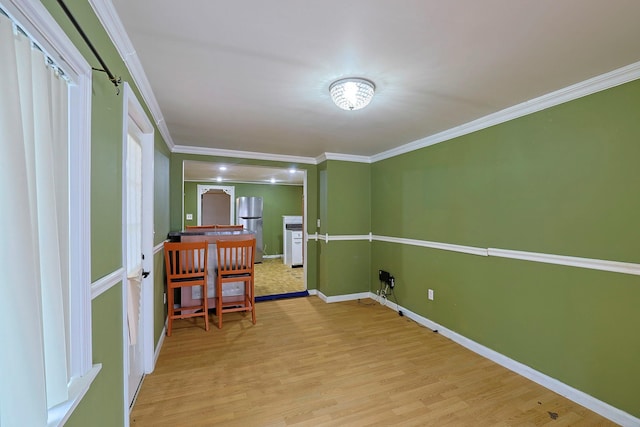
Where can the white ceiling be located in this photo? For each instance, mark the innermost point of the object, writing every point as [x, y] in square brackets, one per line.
[253, 76]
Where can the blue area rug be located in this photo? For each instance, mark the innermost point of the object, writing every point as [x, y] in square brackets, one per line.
[282, 296]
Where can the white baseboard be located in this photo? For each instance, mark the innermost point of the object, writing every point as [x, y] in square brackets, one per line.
[606, 410]
[272, 256]
[341, 298]
[156, 354]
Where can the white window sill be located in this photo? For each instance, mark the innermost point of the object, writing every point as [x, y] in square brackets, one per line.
[59, 414]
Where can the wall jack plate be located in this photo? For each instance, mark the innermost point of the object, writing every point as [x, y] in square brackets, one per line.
[430, 294]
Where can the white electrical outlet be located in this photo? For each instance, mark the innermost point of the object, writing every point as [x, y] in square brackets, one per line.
[430, 294]
[164, 298]
[189, 217]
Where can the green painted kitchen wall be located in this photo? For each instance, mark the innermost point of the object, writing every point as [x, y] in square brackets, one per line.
[561, 181]
[277, 200]
[103, 403]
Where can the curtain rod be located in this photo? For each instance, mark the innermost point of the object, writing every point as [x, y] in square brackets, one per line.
[105, 69]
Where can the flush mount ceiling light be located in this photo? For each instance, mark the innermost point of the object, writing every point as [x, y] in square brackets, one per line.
[352, 93]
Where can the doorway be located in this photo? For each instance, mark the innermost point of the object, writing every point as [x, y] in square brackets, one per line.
[276, 187]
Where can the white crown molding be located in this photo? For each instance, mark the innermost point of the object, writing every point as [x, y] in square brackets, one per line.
[343, 157]
[186, 149]
[109, 18]
[596, 84]
[111, 22]
[590, 263]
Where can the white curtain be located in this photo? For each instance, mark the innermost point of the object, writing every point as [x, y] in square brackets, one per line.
[34, 231]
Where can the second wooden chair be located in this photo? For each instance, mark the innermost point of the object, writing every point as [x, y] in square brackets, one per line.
[235, 260]
[229, 227]
[200, 227]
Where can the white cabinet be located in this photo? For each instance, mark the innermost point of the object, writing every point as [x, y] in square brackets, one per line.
[293, 240]
[296, 248]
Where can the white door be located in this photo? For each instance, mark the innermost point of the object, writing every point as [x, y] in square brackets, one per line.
[138, 251]
[134, 256]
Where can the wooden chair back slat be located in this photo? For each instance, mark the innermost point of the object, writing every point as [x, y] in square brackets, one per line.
[186, 266]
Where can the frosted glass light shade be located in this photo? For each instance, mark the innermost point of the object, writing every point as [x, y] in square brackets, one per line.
[352, 93]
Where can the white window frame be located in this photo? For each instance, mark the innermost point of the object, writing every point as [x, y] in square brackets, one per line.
[44, 30]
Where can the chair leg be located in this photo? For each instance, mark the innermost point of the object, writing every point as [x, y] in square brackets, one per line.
[205, 303]
[170, 312]
[219, 302]
[253, 302]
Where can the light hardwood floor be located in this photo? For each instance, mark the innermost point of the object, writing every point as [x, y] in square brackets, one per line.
[308, 363]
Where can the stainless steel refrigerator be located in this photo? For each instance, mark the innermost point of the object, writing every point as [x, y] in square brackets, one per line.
[249, 215]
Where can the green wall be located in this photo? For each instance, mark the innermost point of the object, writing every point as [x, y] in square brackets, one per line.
[558, 181]
[345, 209]
[562, 181]
[161, 229]
[278, 200]
[103, 403]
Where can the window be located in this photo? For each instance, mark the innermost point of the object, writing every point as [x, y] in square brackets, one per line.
[45, 229]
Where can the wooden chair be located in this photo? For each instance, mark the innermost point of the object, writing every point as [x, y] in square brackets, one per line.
[186, 266]
[224, 227]
[200, 227]
[235, 260]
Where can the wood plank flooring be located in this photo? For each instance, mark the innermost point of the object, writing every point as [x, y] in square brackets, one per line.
[308, 363]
